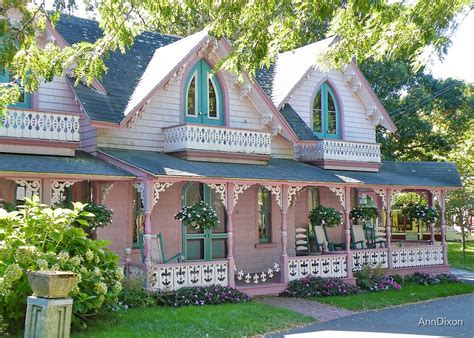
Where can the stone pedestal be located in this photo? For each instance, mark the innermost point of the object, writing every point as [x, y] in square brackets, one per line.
[48, 318]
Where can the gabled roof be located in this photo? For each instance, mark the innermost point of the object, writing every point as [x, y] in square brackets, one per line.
[124, 70]
[409, 174]
[296, 123]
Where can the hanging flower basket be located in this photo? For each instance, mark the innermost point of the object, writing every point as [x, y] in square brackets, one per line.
[199, 217]
[421, 213]
[325, 216]
[364, 214]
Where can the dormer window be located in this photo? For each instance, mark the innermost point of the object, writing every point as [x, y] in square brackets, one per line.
[203, 96]
[326, 122]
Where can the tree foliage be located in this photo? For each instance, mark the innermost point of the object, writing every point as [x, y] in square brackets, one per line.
[259, 30]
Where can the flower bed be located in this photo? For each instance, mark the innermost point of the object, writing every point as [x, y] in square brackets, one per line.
[318, 286]
[207, 295]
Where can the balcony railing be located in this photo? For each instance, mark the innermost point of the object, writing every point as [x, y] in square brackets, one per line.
[211, 138]
[340, 151]
[40, 125]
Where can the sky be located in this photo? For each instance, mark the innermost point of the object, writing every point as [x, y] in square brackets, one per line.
[458, 63]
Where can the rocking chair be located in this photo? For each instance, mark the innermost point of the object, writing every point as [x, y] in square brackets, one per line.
[157, 250]
[320, 236]
[358, 237]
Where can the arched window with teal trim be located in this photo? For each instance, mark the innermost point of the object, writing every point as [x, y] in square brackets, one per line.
[326, 113]
[203, 99]
[24, 100]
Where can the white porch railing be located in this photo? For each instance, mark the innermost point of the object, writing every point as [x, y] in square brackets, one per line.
[417, 256]
[173, 276]
[333, 265]
[341, 151]
[31, 124]
[369, 257]
[211, 138]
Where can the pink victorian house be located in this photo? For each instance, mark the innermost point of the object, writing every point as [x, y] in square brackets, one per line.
[160, 131]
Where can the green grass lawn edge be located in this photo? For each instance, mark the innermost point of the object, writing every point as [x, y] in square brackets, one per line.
[409, 293]
[228, 320]
[455, 258]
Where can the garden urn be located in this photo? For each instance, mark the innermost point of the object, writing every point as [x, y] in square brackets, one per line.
[51, 284]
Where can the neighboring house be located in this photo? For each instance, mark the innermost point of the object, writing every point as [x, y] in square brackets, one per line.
[159, 131]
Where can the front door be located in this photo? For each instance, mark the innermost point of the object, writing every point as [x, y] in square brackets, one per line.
[203, 102]
[209, 244]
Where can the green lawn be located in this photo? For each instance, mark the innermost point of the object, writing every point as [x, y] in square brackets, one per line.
[229, 320]
[409, 293]
[455, 256]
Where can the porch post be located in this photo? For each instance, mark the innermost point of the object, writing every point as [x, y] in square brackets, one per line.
[388, 226]
[347, 229]
[46, 191]
[230, 233]
[284, 235]
[442, 203]
[432, 226]
[148, 206]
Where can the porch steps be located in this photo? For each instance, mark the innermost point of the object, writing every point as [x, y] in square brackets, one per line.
[263, 289]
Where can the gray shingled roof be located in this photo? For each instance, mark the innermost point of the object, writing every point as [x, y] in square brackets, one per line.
[413, 174]
[297, 124]
[81, 164]
[124, 70]
[264, 77]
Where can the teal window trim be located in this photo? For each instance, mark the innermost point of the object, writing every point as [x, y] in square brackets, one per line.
[326, 94]
[264, 205]
[201, 73]
[26, 103]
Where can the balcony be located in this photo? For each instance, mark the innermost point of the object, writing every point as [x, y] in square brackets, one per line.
[344, 155]
[40, 125]
[220, 144]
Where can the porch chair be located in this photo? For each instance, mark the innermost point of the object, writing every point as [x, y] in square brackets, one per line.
[157, 250]
[301, 241]
[358, 237]
[379, 239]
[320, 236]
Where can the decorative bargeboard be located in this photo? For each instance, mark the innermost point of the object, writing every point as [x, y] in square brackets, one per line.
[372, 258]
[169, 277]
[318, 266]
[417, 256]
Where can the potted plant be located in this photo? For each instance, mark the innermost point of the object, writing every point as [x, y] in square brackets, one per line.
[51, 284]
[325, 216]
[364, 214]
[199, 216]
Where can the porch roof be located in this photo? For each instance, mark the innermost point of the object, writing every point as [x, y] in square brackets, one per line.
[409, 174]
[82, 164]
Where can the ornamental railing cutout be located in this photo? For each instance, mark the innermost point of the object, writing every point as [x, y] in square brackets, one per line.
[258, 277]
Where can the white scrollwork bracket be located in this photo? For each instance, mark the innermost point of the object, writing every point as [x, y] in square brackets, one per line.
[57, 189]
[339, 193]
[158, 188]
[383, 195]
[104, 191]
[393, 195]
[32, 188]
[275, 190]
[221, 190]
[292, 194]
[239, 189]
[436, 194]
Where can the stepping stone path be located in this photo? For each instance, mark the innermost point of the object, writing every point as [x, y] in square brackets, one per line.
[322, 312]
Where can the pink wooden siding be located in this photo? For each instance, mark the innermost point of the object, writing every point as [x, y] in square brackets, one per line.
[7, 190]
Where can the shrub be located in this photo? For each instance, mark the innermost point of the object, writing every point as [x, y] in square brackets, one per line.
[325, 216]
[102, 217]
[369, 279]
[398, 278]
[319, 287]
[40, 238]
[206, 295]
[133, 295]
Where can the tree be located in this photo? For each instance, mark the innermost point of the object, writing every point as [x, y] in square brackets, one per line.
[259, 30]
[460, 208]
